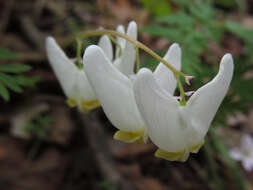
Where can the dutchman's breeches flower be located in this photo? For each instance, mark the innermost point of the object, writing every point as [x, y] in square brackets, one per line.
[72, 79]
[178, 130]
[114, 90]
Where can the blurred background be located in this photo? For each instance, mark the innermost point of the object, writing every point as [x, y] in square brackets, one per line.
[44, 144]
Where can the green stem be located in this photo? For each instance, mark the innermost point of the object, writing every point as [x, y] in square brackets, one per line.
[181, 89]
[79, 52]
[136, 43]
[138, 63]
[117, 44]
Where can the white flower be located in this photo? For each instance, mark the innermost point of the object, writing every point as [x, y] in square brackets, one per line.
[72, 79]
[114, 90]
[244, 153]
[178, 130]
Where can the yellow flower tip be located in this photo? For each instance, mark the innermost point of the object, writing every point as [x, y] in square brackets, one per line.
[195, 148]
[180, 156]
[130, 137]
[71, 102]
[90, 105]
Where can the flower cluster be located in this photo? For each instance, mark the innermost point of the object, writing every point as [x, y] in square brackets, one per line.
[141, 105]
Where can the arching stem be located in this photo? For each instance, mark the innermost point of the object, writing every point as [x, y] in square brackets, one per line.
[181, 90]
[89, 33]
[138, 62]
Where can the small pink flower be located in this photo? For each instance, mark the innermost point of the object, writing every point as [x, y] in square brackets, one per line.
[244, 152]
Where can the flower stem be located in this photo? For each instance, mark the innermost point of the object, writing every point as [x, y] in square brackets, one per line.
[136, 43]
[79, 53]
[117, 44]
[138, 63]
[182, 94]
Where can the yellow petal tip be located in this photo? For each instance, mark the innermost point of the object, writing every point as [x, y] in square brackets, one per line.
[180, 156]
[71, 102]
[171, 156]
[129, 137]
[89, 105]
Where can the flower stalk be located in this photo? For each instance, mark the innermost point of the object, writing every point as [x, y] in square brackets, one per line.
[79, 53]
[89, 33]
[138, 62]
[117, 44]
[182, 93]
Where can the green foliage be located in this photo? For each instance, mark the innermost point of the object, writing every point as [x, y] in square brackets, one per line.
[14, 68]
[7, 54]
[155, 8]
[12, 78]
[226, 3]
[106, 185]
[195, 26]
[39, 126]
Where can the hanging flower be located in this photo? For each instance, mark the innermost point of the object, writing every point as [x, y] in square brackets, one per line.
[244, 153]
[73, 79]
[114, 89]
[178, 130]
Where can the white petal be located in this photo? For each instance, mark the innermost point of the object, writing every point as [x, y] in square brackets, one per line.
[236, 154]
[161, 113]
[63, 67]
[106, 45]
[165, 76]
[204, 103]
[128, 57]
[82, 87]
[248, 164]
[73, 81]
[122, 41]
[113, 89]
[247, 143]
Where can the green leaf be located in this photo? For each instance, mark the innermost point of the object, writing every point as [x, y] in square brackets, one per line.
[203, 11]
[180, 18]
[27, 81]
[236, 28]
[7, 54]
[149, 62]
[4, 92]
[162, 7]
[244, 88]
[226, 3]
[14, 68]
[10, 82]
[196, 41]
[172, 34]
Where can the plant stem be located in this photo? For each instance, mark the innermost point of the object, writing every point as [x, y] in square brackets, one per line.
[117, 44]
[79, 50]
[138, 63]
[181, 89]
[89, 33]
